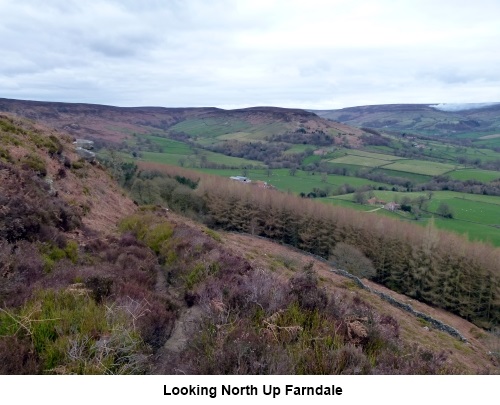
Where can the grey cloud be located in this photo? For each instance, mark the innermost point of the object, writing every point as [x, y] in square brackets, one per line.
[461, 106]
[194, 52]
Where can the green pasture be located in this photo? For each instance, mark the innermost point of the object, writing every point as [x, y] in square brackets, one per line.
[478, 216]
[445, 151]
[474, 232]
[237, 136]
[379, 149]
[228, 128]
[421, 167]
[475, 135]
[475, 174]
[311, 159]
[195, 159]
[166, 158]
[302, 182]
[488, 143]
[413, 177]
[385, 195]
[301, 148]
[170, 146]
[345, 203]
[360, 161]
[470, 210]
[492, 136]
[380, 156]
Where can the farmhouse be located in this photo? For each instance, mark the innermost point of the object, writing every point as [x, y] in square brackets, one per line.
[392, 206]
[241, 179]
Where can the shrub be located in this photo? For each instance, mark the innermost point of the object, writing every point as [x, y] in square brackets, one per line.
[51, 142]
[35, 163]
[151, 230]
[214, 235]
[157, 236]
[78, 164]
[5, 155]
[52, 254]
[305, 288]
[351, 259]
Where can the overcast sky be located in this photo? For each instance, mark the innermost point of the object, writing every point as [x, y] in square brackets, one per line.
[230, 53]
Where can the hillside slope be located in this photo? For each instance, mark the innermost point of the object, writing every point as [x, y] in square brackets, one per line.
[114, 124]
[91, 284]
[426, 119]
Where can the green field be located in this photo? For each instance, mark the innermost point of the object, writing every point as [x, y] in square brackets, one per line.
[237, 136]
[170, 146]
[478, 216]
[474, 215]
[302, 182]
[488, 143]
[301, 148]
[421, 167]
[227, 128]
[380, 156]
[165, 158]
[414, 177]
[360, 161]
[470, 210]
[475, 174]
[394, 163]
[192, 160]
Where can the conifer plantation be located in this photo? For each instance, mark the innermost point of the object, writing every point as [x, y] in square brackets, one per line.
[432, 266]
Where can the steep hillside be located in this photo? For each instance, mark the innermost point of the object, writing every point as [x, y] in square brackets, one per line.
[91, 284]
[51, 156]
[427, 119]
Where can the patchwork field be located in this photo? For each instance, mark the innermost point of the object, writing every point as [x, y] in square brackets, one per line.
[224, 128]
[476, 216]
[475, 174]
[490, 136]
[380, 156]
[421, 167]
[301, 182]
[360, 161]
[170, 146]
[414, 177]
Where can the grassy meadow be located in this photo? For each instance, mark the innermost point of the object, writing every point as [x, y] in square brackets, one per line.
[477, 216]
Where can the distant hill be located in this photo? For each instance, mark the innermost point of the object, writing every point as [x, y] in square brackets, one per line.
[115, 124]
[426, 119]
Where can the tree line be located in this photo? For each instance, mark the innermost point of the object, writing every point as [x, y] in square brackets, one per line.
[436, 267]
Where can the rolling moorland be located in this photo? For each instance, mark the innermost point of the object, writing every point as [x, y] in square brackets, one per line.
[451, 180]
[221, 281]
[479, 122]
